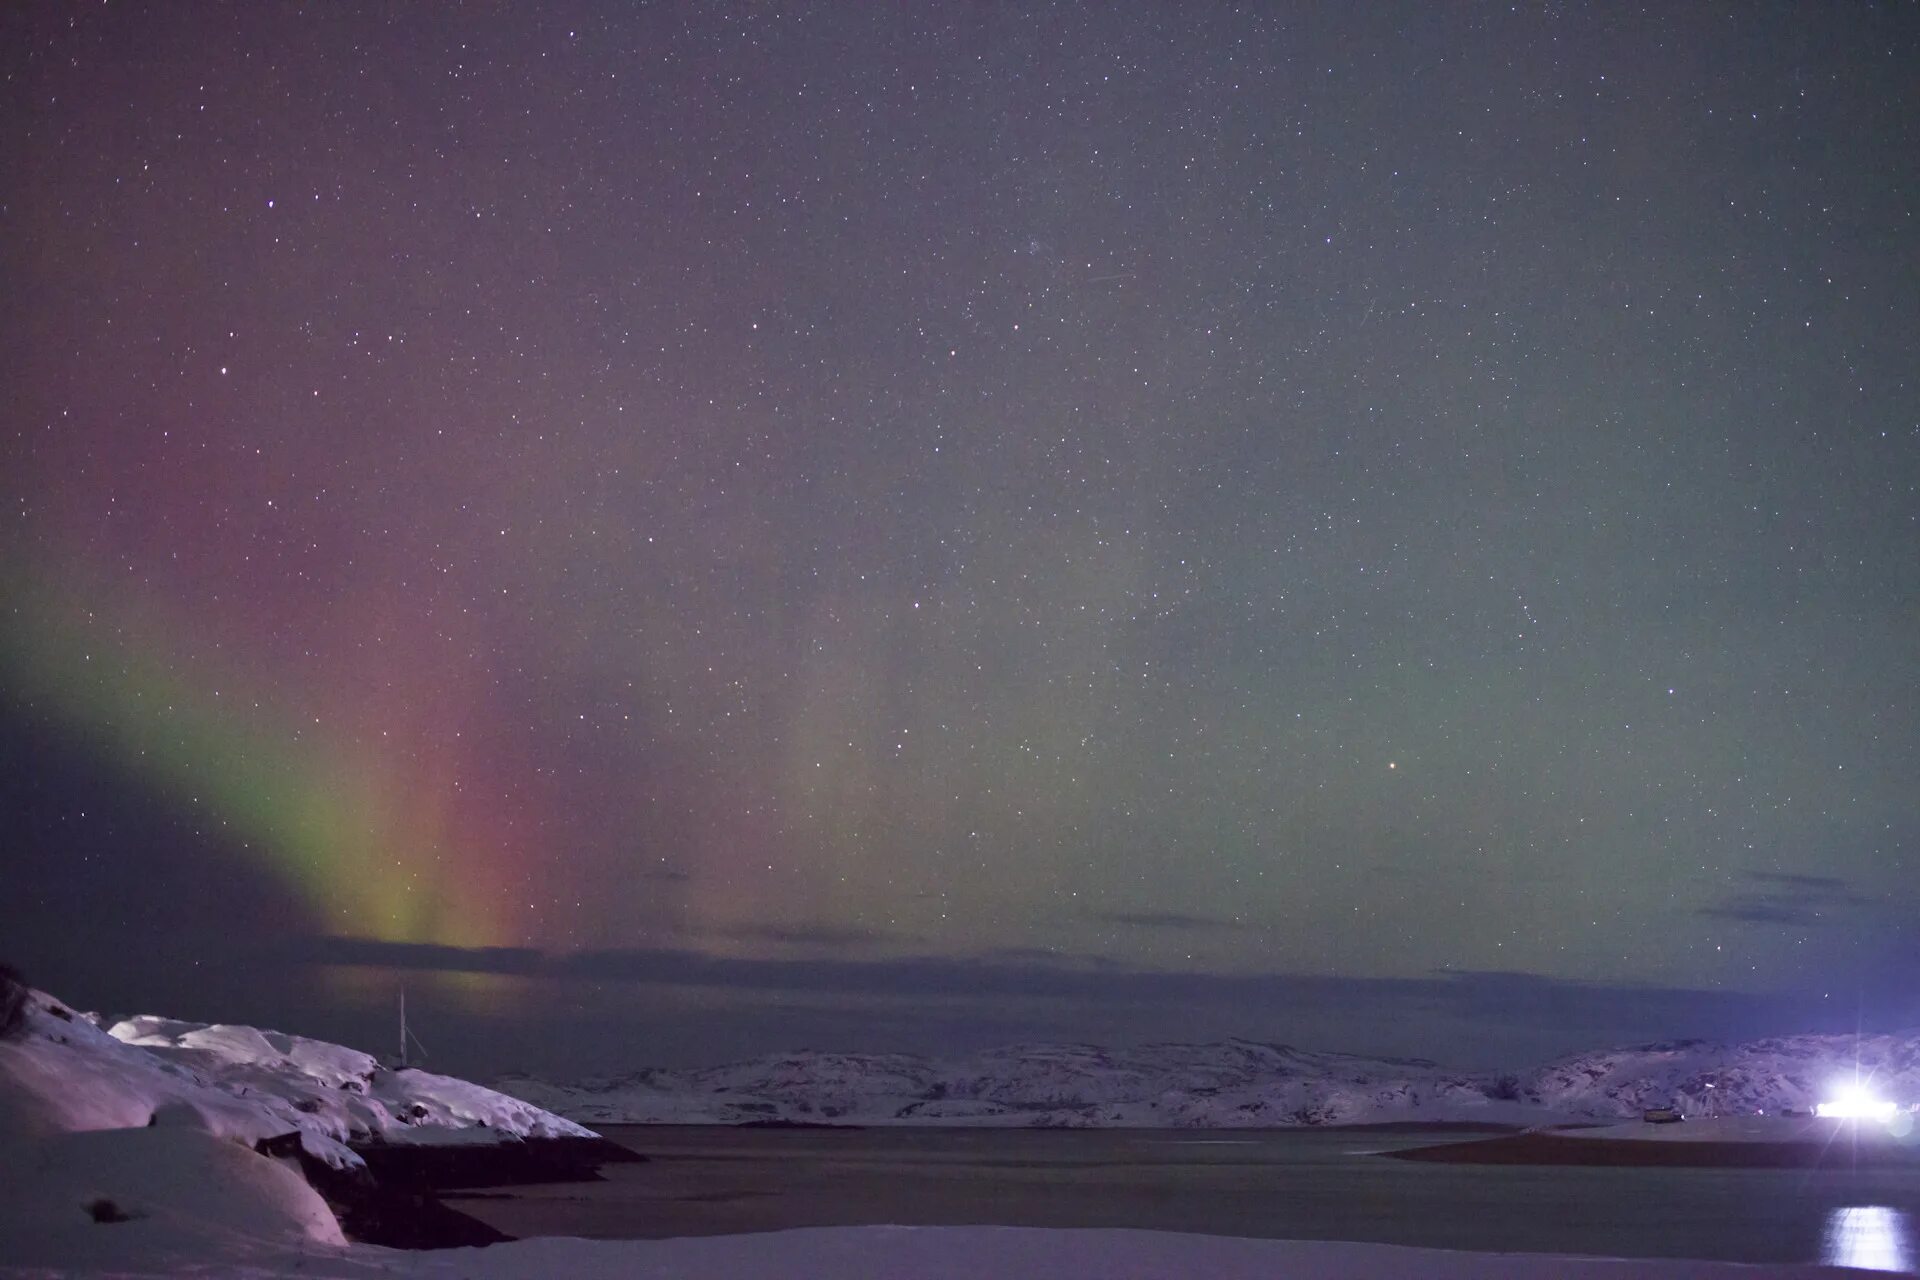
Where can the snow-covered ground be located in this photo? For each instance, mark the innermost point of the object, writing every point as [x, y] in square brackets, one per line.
[69, 1072]
[113, 1199]
[270, 1245]
[1234, 1084]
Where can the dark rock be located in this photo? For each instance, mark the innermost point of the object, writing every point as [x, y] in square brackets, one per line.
[392, 1215]
[13, 1004]
[105, 1211]
[281, 1146]
[517, 1162]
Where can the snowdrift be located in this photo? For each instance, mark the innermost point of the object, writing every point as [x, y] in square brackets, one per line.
[96, 1197]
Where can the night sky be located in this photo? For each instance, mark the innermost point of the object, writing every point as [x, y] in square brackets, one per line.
[690, 530]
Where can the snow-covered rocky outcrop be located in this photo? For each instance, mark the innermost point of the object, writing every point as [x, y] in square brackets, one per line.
[1236, 1083]
[1700, 1076]
[1233, 1083]
[68, 1072]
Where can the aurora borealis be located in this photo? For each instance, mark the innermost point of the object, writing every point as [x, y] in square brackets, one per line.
[708, 528]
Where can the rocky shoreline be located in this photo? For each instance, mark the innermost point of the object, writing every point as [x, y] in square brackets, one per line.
[395, 1199]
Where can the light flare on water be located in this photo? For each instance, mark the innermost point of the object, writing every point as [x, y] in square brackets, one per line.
[1871, 1237]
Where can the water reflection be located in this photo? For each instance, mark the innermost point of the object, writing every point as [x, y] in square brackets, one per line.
[1872, 1237]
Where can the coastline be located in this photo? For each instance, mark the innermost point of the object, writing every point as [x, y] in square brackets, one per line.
[1537, 1148]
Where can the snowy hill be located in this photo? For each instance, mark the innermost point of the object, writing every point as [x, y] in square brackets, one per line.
[1236, 1083]
[1772, 1075]
[1233, 1083]
[70, 1073]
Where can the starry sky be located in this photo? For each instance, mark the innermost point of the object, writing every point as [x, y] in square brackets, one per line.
[678, 531]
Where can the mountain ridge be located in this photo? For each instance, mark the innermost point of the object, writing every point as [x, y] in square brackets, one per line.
[1232, 1083]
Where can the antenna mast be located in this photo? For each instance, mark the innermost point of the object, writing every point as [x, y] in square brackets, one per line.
[406, 1037]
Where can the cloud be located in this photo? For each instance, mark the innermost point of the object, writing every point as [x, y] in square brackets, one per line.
[820, 935]
[1047, 956]
[722, 1007]
[1043, 975]
[327, 949]
[1819, 884]
[1167, 920]
[1785, 898]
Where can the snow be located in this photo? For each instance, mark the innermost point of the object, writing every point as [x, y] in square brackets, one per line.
[68, 1073]
[176, 1190]
[1017, 1253]
[872, 1253]
[1704, 1077]
[1237, 1083]
[341, 1090]
[1233, 1084]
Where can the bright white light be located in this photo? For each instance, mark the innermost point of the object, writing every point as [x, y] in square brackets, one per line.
[1872, 1237]
[1852, 1102]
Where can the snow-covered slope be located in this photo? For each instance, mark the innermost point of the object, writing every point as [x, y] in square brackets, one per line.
[1773, 1075]
[1234, 1083]
[69, 1073]
[97, 1199]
